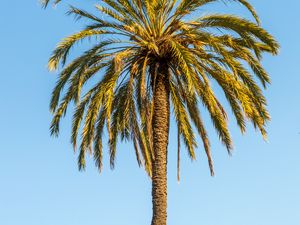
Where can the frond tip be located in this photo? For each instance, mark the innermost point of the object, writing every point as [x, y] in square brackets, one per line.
[45, 3]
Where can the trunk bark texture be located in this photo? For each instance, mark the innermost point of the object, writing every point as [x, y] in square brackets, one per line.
[160, 126]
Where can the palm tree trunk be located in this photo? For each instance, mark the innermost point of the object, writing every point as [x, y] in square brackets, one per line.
[160, 126]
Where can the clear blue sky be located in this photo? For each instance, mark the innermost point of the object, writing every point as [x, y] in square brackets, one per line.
[39, 181]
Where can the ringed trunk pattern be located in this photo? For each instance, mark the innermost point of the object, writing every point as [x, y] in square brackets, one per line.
[160, 126]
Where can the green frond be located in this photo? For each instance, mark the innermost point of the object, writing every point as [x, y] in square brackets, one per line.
[97, 101]
[137, 151]
[242, 93]
[111, 13]
[79, 14]
[188, 6]
[218, 118]
[62, 50]
[81, 159]
[141, 138]
[195, 117]
[98, 152]
[78, 116]
[251, 9]
[240, 26]
[183, 121]
[113, 139]
[192, 107]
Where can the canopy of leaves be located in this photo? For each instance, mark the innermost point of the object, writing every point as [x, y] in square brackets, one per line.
[126, 49]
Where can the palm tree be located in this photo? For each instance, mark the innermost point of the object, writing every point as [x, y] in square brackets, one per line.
[146, 58]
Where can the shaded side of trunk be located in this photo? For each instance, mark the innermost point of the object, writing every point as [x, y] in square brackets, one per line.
[160, 126]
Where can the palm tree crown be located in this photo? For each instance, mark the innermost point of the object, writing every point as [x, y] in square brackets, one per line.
[131, 43]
